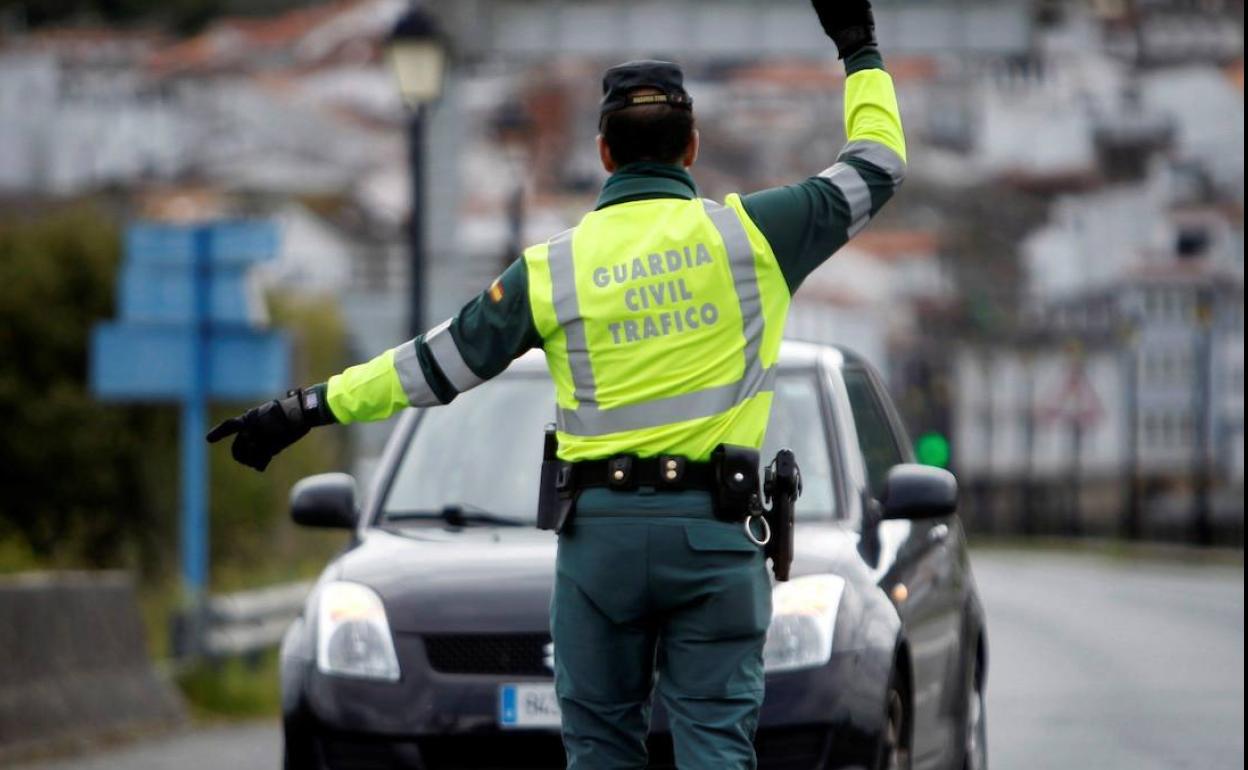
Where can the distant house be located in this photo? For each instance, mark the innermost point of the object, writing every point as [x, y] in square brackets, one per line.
[264, 113]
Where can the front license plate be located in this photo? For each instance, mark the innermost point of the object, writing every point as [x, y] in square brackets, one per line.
[528, 705]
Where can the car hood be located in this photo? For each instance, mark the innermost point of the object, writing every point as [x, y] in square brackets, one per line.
[435, 580]
[495, 579]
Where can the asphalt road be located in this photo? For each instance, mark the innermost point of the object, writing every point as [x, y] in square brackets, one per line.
[1103, 664]
[1095, 664]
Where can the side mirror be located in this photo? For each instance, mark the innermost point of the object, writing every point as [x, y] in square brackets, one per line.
[324, 500]
[919, 492]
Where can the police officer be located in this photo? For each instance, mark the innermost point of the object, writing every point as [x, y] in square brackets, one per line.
[661, 316]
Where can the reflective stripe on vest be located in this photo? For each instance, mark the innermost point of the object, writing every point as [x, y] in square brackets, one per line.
[588, 419]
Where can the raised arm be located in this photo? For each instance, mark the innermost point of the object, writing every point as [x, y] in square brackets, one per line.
[474, 345]
[805, 223]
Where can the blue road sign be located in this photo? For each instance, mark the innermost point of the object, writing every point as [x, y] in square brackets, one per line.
[148, 362]
[186, 334]
[163, 292]
[158, 280]
[239, 241]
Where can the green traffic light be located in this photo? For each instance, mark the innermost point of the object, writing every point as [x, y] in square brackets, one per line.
[933, 449]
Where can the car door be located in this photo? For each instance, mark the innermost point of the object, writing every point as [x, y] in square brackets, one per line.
[923, 565]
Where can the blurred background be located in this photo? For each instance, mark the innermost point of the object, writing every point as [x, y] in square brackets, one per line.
[1055, 297]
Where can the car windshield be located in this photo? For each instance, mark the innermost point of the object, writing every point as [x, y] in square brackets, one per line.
[481, 453]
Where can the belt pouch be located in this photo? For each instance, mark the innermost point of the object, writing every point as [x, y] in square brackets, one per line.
[736, 482]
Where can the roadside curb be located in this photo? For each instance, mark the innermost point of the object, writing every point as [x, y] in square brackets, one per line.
[1116, 549]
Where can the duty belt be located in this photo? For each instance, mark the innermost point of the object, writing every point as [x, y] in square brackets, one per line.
[627, 472]
[731, 476]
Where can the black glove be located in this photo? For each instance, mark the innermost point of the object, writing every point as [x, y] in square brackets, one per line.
[849, 23]
[265, 430]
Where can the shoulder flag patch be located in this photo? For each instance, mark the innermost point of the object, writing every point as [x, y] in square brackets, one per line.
[496, 291]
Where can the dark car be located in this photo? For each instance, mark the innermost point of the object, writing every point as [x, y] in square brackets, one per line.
[426, 643]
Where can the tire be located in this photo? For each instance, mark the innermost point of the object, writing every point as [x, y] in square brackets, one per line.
[975, 753]
[298, 750]
[894, 752]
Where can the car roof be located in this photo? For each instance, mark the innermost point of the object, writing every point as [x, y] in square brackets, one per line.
[793, 353]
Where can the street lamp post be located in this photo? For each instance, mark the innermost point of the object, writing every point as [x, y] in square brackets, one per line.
[417, 55]
[513, 132]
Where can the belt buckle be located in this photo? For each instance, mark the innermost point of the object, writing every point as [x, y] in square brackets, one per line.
[671, 471]
[620, 472]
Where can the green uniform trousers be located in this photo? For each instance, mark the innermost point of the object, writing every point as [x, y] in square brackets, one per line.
[686, 597]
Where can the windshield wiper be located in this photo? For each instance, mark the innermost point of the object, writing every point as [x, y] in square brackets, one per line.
[458, 515]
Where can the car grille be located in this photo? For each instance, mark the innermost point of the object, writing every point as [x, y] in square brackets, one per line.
[504, 654]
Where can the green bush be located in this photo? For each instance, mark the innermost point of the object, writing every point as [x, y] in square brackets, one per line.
[83, 484]
[91, 484]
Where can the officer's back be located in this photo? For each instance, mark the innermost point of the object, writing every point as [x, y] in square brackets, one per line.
[661, 315]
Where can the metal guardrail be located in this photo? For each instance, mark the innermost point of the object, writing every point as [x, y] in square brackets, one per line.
[249, 622]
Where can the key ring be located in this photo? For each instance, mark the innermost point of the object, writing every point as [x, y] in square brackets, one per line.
[749, 531]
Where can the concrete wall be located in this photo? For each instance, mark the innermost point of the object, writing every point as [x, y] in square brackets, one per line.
[74, 663]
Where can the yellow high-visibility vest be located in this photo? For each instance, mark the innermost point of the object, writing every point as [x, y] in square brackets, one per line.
[661, 320]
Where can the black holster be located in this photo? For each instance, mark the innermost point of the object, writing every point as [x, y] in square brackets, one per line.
[556, 497]
[782, 485]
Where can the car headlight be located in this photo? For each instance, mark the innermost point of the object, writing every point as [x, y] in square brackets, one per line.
[803, 618]
[353, 636]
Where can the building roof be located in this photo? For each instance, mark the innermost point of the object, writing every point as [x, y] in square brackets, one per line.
[895, 245]
[86, 44]
[302, 37]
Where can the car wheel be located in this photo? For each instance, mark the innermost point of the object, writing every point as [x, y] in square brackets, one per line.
[976, 753]
[894, 751]
[298, 751]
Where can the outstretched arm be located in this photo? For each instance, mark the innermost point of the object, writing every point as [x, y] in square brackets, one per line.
[805, 223]
[474, 345]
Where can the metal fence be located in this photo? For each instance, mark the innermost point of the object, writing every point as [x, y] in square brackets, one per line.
[239, 624]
